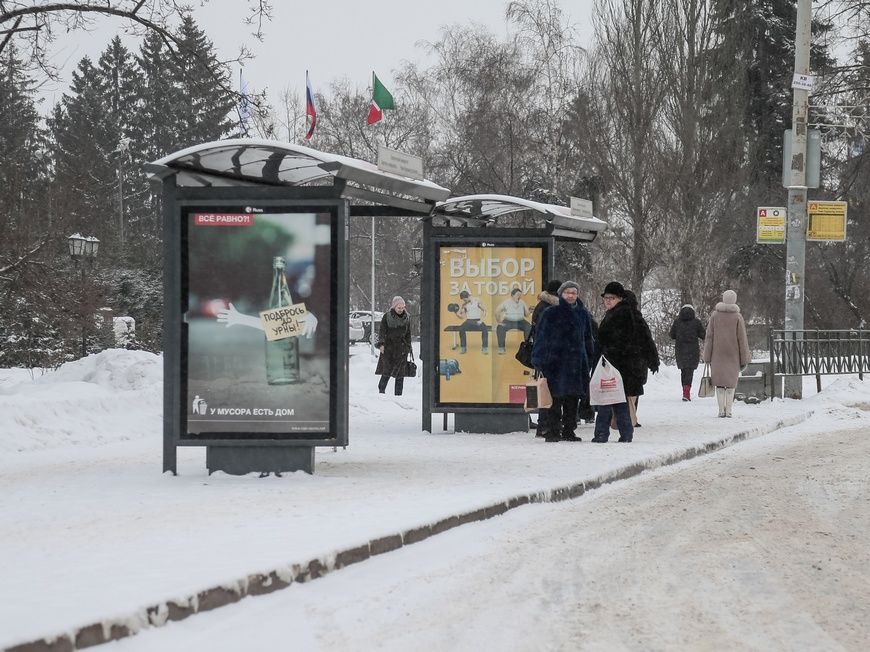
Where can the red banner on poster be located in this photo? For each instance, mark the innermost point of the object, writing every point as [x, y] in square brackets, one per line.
[223, 219]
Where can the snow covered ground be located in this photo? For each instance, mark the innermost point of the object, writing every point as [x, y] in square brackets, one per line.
[92, 532]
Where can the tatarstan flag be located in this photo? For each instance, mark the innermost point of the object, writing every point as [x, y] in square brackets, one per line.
[382, 100]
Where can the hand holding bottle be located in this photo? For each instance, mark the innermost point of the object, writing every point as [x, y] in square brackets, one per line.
[310, 325]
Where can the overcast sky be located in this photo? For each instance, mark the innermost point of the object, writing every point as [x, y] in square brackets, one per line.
[332, 40]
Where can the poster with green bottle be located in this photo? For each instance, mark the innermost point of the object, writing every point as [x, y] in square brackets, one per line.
[259, 321]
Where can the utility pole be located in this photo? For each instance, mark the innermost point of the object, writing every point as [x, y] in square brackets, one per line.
[796, 228]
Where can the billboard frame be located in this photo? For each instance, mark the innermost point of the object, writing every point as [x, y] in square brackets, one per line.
[237, 453]
[433, 238]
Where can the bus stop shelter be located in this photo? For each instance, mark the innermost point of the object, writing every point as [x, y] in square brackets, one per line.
[478, 270]
[256, 298]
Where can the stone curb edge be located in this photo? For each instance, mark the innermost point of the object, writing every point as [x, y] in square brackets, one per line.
[260, 584]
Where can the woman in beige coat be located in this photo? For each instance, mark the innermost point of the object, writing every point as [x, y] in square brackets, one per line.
[726, 349]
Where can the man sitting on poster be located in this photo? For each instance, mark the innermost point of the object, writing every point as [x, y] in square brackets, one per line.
[473, 312]
[511, 316]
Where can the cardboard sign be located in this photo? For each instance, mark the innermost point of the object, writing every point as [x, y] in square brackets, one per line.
[286, 321]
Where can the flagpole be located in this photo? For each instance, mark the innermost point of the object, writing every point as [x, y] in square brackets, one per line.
[372, 335]
[373, 259]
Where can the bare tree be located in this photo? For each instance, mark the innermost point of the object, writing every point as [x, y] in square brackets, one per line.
[34, 25]
[623, 109]
[701, 122]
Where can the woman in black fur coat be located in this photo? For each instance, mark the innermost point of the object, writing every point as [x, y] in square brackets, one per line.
[394, 343]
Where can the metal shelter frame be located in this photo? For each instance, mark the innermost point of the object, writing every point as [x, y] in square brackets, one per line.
[257, 170]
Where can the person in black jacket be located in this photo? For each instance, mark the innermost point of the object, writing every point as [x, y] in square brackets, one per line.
[625, 340]
[686, 332]
[562, 351]
[394, 343]
[548, 297]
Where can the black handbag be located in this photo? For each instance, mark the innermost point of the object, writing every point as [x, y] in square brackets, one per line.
[409, 367]
[524, 352]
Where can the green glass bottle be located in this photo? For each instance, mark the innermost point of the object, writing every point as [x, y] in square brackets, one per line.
[282, 356]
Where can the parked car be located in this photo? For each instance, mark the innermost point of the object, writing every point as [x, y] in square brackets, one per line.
[365, 318]
[356, 333]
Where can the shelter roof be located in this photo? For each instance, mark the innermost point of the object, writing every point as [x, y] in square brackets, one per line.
[484, 210]
[249, 161]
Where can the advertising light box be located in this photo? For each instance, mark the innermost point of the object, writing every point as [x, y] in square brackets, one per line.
[259, 321]
[486, 293]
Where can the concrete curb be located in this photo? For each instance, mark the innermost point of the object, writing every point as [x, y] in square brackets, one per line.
[280, 578]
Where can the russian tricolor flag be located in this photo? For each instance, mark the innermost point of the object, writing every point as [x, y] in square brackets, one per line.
[310, 109]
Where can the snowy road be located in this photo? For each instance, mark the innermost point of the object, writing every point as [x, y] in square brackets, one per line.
[760, 546]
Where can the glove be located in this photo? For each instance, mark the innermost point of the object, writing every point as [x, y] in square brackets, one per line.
[655, 369]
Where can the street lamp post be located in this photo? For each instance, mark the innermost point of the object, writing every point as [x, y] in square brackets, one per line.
[83, 249]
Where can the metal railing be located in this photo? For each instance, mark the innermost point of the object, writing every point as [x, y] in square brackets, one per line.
[819, 353]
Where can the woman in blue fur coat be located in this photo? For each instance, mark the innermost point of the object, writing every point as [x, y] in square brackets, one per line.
[563, 352]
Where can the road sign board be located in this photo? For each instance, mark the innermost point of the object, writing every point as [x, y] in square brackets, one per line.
[826, 221]
[770, 224]
[581, 207]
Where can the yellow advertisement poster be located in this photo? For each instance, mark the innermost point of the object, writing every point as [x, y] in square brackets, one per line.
[486, 298]
[826, 221]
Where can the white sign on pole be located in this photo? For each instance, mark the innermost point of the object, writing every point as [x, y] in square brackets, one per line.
[770, 224]
[803, 82]
[405, 165]
[581, 207]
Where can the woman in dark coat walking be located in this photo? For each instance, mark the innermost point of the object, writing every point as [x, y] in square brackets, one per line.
[686, 331]
[394, 343]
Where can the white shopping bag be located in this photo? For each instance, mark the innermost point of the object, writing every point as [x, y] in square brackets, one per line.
[606, 386]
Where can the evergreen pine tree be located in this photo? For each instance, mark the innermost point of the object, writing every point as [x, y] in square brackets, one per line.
[84, 138]
[23, 174]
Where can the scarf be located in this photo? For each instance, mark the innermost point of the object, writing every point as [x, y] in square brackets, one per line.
[397, 321]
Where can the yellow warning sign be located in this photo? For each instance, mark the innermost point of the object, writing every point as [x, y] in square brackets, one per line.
[770, 225]
[826, 221]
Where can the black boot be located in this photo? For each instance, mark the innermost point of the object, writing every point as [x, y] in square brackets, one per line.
[399, 383]
[382, 384]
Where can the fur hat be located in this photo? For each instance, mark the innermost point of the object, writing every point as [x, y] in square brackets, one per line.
[566, 285]
[615, 288]
[553, 286]
[729, 296]
[396, 301]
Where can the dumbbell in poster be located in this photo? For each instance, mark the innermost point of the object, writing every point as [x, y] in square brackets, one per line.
[258, 323]
[486, 298]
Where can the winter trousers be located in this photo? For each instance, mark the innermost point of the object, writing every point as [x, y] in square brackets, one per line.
[686, 376]
[561, 417]
[399, 384]
[623, 422]
[725, 398]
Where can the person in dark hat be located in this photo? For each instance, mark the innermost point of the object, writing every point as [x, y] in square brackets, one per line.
[563, 351]
[624, 339]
